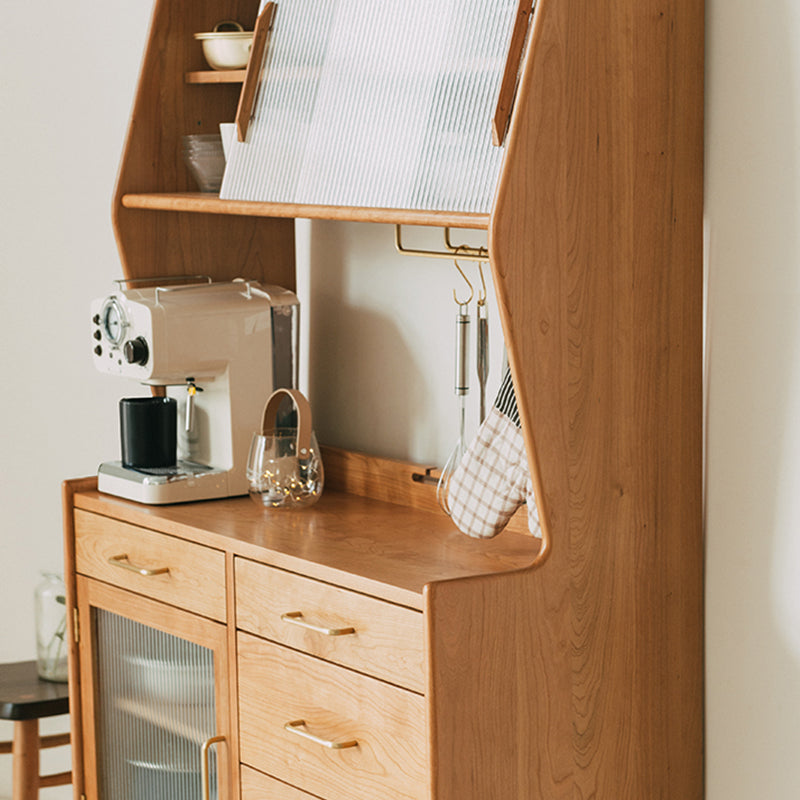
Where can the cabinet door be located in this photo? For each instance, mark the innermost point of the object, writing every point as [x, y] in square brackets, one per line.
[154, 699]
[364, 106]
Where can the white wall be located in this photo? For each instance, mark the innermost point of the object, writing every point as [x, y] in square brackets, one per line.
[753, 508]
[64, 111]
[67, 76]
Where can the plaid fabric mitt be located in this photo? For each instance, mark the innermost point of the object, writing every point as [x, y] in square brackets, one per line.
[492, 480]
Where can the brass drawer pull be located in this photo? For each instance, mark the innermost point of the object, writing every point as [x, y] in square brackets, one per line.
[296, 618]
[297, 726]
[122, 562]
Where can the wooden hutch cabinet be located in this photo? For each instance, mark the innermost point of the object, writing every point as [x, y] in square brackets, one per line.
[364, 648]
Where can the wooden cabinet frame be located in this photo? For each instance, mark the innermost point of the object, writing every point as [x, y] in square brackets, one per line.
[582, 674]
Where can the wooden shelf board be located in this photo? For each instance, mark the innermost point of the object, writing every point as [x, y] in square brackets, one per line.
[216, 76]
[207, 203]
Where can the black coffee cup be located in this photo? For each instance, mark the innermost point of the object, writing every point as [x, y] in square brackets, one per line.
[148, 432]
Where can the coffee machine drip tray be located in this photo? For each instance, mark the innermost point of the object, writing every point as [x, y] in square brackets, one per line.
[183, 483]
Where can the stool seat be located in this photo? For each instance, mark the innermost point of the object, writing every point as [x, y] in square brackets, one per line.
[24, 695]
[24, 699]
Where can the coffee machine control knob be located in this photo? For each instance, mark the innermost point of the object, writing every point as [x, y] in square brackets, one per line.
[136, 351]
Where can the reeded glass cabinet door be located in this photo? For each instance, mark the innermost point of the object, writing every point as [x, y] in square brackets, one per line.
[154, 699]
[385, 105]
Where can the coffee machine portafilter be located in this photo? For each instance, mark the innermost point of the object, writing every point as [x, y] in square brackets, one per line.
[219, 349]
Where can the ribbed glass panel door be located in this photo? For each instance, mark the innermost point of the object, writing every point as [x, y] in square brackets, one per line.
[156, 707]
[378, 105]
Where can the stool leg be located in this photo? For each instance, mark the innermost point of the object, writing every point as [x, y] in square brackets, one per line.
[25, 760]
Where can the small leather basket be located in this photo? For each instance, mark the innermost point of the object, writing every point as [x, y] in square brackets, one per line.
[284, 467]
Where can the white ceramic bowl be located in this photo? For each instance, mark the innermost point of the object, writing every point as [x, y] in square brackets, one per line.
[226, 49]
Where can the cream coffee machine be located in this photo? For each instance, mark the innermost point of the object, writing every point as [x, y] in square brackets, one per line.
[218, 349]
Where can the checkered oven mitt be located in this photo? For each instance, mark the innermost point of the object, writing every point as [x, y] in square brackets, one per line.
[492, 479]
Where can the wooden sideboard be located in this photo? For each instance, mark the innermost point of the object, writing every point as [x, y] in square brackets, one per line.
[570, 670]
[335, 616]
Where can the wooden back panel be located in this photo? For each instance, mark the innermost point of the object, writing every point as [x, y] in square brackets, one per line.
[165, 109]
[596, 238]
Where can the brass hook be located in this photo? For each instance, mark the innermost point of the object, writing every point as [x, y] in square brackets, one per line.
[482, 293]
[471, 290]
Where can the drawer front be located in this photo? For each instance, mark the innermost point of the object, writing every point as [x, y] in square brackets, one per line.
[345, 627]
[256, 786]
[110, 550]
[375, 732]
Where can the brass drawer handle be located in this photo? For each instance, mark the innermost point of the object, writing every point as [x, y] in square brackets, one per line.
[123, 562]
[297, 726]
[296, 618]
[204, 767]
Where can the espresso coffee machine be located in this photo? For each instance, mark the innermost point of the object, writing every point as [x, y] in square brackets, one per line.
[218, 349]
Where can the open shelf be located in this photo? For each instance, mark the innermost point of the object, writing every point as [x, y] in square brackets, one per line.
[216, 76]
[206, 203]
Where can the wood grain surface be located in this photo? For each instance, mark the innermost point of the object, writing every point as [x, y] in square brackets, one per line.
[68, 490]
[208, 203]
[381, 549]
[277, 685]
[393, 481]
[387, 640]
[257, 786]
[596, 240]
[195, 576]
[233, 677]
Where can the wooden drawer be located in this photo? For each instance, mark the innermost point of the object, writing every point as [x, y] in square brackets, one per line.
[256, 786]
[387, 640]
[195, 576]
[279, 686]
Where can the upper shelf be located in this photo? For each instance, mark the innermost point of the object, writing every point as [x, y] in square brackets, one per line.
[206, 203]
[216, 76]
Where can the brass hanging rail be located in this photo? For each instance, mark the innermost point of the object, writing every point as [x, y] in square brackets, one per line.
[463, 251]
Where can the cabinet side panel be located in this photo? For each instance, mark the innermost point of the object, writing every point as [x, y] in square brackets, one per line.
[596, 239]
[497, 728]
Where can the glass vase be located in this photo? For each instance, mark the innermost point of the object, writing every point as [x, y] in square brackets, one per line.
[51, 627]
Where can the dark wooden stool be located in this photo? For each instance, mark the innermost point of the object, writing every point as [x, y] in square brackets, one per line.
[25, 699]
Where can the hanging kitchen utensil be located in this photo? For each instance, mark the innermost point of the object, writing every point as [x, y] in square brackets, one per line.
[482, 348]
[461, 389]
